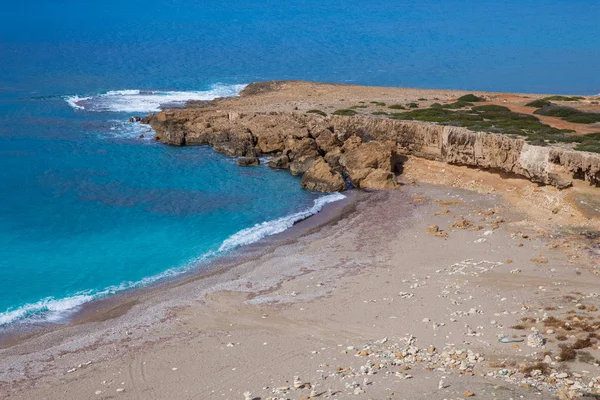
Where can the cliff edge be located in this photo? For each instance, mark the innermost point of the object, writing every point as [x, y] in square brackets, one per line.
[366, 150]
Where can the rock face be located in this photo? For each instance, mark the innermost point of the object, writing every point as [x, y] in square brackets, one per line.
[365, 149]
[369, 165]
[320, 177]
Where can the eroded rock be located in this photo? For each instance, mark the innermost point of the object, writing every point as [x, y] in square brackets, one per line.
[320, 177]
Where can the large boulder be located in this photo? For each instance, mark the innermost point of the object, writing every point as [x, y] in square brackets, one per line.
[320, 177]
[361, 160]
[302, 153]
[379, 179]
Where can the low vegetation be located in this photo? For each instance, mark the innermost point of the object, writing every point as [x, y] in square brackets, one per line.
[539, 103]
[412, 105]
[345, 111]
[378, 103]
[323, 113]
[471, 98]
[569, 114]
[359, 106]
[456, 105]
[563, 98]
[379, 113]
[397, 107]
[500, 119]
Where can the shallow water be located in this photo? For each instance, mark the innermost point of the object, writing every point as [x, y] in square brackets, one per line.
[88, 208]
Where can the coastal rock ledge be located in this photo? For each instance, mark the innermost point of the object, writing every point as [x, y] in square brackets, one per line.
[366, 151]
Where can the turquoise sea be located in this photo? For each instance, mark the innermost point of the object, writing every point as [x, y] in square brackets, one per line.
[88, 209]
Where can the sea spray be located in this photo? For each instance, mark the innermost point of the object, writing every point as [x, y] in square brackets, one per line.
[129, 101]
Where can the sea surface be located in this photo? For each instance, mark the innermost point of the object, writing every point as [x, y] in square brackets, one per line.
[88, 209]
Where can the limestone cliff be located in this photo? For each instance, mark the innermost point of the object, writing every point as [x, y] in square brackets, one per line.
[365, 149]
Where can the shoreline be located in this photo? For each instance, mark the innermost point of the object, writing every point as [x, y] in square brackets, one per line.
[117, 304]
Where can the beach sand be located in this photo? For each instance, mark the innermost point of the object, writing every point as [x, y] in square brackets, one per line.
[366, 300]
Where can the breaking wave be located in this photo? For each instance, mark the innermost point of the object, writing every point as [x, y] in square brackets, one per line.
[56, 310]
[129, 101]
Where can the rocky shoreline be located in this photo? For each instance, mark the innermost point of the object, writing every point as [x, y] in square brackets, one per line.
[365, 151]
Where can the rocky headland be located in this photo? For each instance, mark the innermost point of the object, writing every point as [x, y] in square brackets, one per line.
[365, 147]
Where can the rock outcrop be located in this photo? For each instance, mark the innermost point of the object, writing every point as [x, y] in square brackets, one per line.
[365, 149]
[369, 165]
[320, 177]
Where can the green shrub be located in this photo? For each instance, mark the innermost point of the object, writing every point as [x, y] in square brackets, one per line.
[436, 105]
[539, 103]
[323, 113]
[422, 99]
[412, 105]
[355, 107]
[496, 119]
[583, 118]
[491, 108]
[589, 142]
[379, 113]
[569, 114]
[556, 111]
[470, 98]
[397, 107]
[591, 147]
[458, 104]
[563, 98]
[345, 111]
[378, 103]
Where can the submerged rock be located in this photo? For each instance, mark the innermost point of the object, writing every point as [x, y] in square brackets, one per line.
[248, 161]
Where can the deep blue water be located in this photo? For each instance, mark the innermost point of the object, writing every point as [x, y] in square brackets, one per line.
[87, 208]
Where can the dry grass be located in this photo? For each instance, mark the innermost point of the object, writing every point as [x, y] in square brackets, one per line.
[581, 344]
[566, 353]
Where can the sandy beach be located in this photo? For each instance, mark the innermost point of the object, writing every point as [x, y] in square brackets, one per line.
[402, 294]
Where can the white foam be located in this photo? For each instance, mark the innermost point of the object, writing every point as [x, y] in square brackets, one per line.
[74, 100]
[50, 307]
[128, 130]
[55, 310]
[147, 100]
[259, 231]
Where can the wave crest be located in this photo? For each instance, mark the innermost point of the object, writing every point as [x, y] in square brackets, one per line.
[129, 101]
